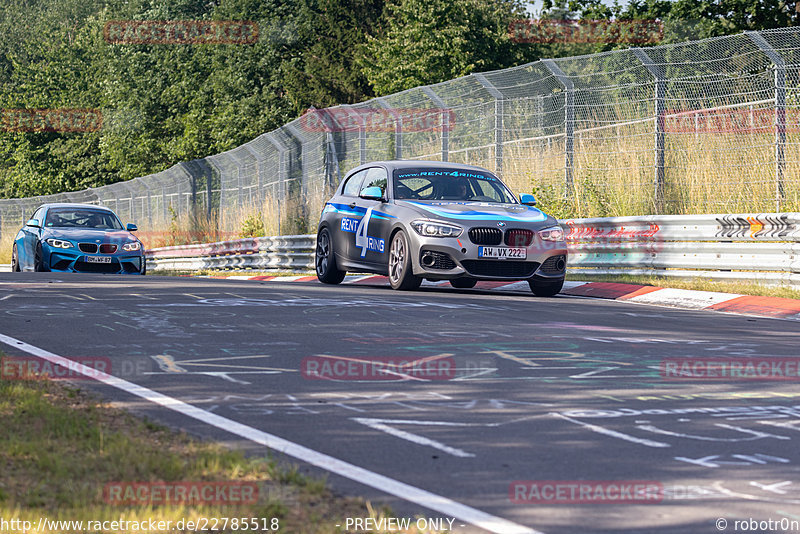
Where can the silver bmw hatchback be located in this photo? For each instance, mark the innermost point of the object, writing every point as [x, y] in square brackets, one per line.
[416, 220]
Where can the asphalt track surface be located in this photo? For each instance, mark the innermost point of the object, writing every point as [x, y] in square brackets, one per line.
[562, 389]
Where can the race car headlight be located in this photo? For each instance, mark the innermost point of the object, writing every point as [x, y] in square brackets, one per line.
[554, 233]
[130, 247]
[436, 229]
[59, 243]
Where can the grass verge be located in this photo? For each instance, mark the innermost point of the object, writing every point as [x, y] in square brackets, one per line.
[60, 447]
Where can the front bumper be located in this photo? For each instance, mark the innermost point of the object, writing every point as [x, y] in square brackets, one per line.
[75, 261]
[458, 258]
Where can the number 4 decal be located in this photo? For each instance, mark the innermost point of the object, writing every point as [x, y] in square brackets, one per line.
[361, 233]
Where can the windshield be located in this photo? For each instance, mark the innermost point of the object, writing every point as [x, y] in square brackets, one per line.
[450, 184]
[81, 218]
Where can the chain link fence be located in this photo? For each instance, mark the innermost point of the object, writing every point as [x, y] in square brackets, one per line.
[709, 126]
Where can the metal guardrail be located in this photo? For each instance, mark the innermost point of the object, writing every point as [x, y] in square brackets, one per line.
[281, 252]
[761, 247]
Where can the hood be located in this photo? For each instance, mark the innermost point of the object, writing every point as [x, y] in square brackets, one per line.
[89, 235]
[476, 211]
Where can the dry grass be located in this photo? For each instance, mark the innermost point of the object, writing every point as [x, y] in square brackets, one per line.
[6, 242]
[60, 446]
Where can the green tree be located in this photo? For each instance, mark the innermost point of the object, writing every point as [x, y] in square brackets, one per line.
[430, 41]
[329, 36]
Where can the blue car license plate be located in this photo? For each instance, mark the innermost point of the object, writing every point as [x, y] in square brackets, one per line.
[98, 259]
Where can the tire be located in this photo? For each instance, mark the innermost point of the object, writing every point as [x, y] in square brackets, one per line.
[38, 259]
[144, 266]
[401, 275]
[325, 260]
[546, 289]
[14, 259]
[463, 283]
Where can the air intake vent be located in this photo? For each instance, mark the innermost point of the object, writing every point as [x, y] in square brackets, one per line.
[500, 268]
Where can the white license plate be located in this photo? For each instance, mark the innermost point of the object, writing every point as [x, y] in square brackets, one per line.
[98, 259]
[502, 252]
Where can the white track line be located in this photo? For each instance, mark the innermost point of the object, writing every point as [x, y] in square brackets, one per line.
[388, 485]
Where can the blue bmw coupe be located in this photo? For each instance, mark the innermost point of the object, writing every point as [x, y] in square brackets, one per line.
[77, 238]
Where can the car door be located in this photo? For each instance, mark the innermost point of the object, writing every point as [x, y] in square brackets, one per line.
[30, 239]
[348, 216]
[370, 244]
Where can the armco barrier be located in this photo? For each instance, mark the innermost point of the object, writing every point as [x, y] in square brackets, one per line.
[761, 247]
[281, 252]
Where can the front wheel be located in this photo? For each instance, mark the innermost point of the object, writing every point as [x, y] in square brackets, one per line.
[401, 275]
[325, 260]
[541, 288]
[38, 259]
[14, 259]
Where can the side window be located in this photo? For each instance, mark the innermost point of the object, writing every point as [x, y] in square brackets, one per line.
[39, 214]
[353, 184]
[376, 177]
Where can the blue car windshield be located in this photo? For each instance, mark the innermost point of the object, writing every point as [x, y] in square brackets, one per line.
[81, 218]
[450, 184]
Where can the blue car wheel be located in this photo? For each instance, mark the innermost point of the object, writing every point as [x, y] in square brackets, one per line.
[38, 259]
[14, 259]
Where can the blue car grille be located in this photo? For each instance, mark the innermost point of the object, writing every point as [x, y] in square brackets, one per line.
[89, 248]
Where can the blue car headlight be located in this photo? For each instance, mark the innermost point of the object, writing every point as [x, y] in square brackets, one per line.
[436, 229]
[130, 247]
[59, 243]
[554, 233]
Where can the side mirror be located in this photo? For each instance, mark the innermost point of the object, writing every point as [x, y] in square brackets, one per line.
[131, 227]
[528, 200]
[34, 222]
[372, 193]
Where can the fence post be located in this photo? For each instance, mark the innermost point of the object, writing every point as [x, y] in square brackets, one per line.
[659, 98]
[295, 132]
[398, 127]
[362, 132]
[439, 103]
[283, 171]
[569, 121]
[499, 105]
[780, 111]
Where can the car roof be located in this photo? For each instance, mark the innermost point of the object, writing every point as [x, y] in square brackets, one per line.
[74, 205]
[393, 164]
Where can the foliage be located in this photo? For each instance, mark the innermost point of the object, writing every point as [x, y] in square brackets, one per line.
[429, 41]
[167, 103]
[253, 226]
